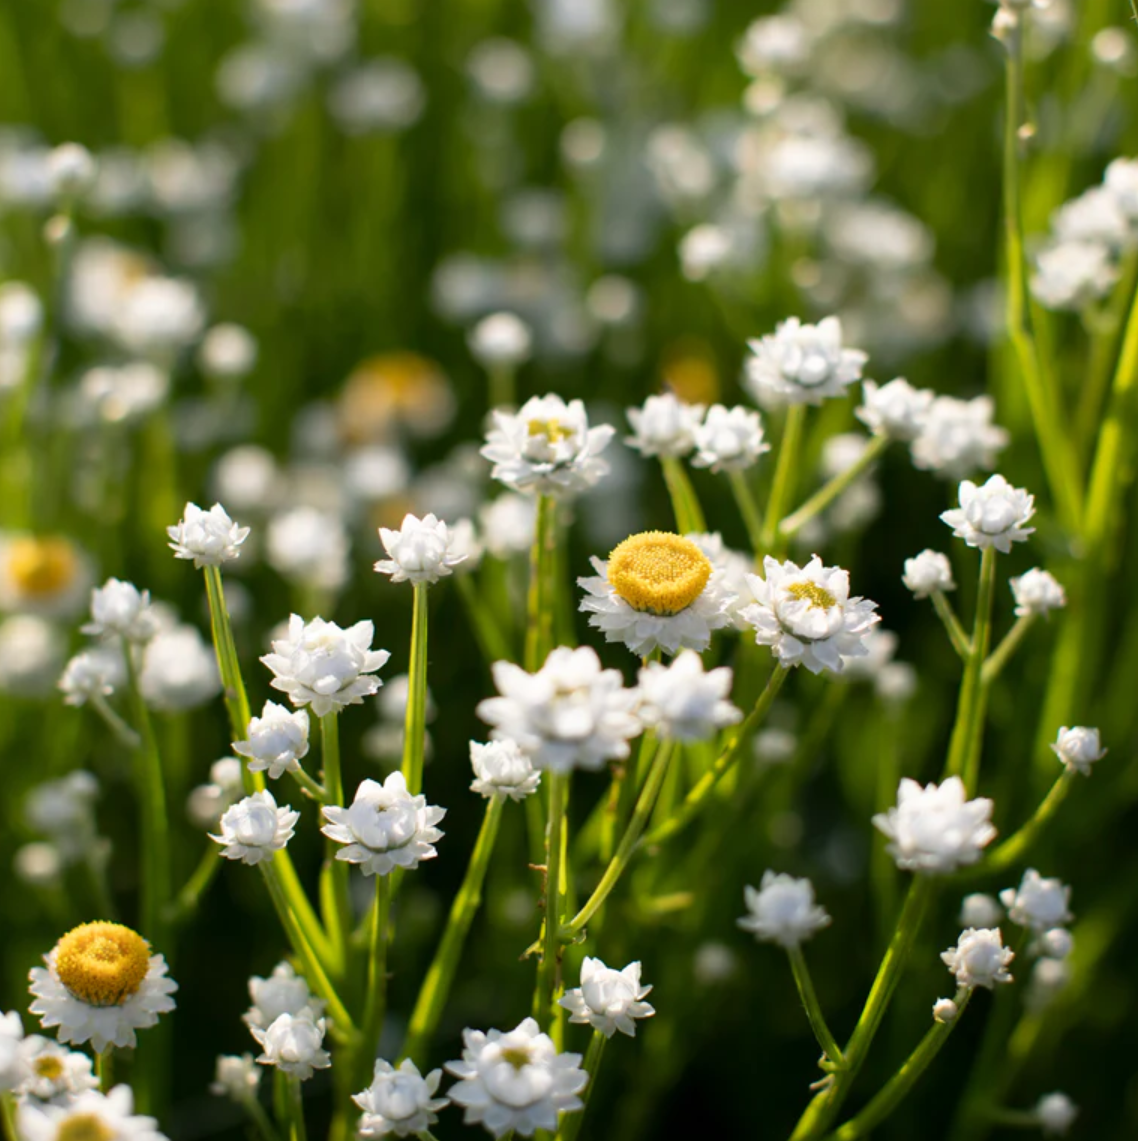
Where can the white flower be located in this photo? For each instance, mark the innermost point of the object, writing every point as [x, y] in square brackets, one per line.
[657, 590]
[90, 1115]
[207, 802]
[570, 714]
[1096, 217]
[802, 364]
[21, 314]
[210, 537]
[385, 827]
[54, 1073]
[13, 1066]
[294, 1044]
[1078, 748]
[1121, 179]
[897, 409]
[704, 249]
[980, 910]
[399, 1101]
[309, 546]
[72, 170]
[806, 615]
[880, 646]
[64, 810]
[608, 1000]
[945, 1010]
[508, 524]
[277, 740]
[783, 910]
[283, 992]
[935, 829]
[1037, 592]
[1057, 943]
[1049, 978]
[1073, 275]
[501, 340]
[927, 573]
[547, 447]
[502, 769]
[97, 672]
[100, 986]
[254, 828]
[958, 436]
[227, 352]
[119, 609]
[321, 665]
[682, 702]
[464, 545]
[179, 670]
[158, 316]
[1056, 1113]
[31, 655]
[664, 426]
[993, 515]
[729, 439]
[515, 1080]
[421, 551]
[236, 1077]
[1038, 903]
[979, 958]
[734, 565]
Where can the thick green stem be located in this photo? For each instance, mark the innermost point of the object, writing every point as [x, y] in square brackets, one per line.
[947, 615]
[545, 996]
[685, 503]
[337, 907]
[236, 701]
[415, 718]
[592, 1063]
[821, 499]
[812, 1007]
[748, 509]
[539, 609]
[1002, 654]
[783, 486]
[375, 1002]
[296, 1130]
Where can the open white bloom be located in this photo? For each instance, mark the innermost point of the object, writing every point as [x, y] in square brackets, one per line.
[1078, 748]
[657, 590]
[1038, 903]
[570, 714]
[21, 314]
[1037, 592]
[980, 910]
[54, 1073]
[277, 740]
[254, 828]
[979, 958]
[935, 829]
[422, 551]
[729, 439]
[992, 515]
[101, 984]
[515, 1080]
[399, 1102]
[608, 1000]
[806, 615]
[13, 1069]
[945, 1010]
[210, 537]
[683, 702]
[927, 573]
[802, 364]
[320, 665]
[1073, 275]
[236, 1077]
[309, 546]
[179, 670]
[783, 910]
[1056, 1113]
[89, 1115]
[664, 426]
[500, 340]
[283, 992]
[120, 610]
[547, 447]
[897, 409]
[502, 769]
[385, 827]
[97, 672]
[958, 436]
[294, 1044]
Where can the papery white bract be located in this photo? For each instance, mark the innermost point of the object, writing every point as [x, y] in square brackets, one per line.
[277, 741]
[897, 409]
[979, 958]
[936, 829]
[664, 426]
[294, 1043]
[783, 910]
[236, 1076]
[802, 364]
[502, 769]
[421, 551]
[1056, 1113]
[729, 439]
[683, 702]
[608, 1000]
[1037, 592]
[992, 515]
[254, 828]
[928, 572]
[283, 992]
[121, 610]
[399, 1102]
[1039, 903]
[210, 537]
[957, 436]
[1078, 748]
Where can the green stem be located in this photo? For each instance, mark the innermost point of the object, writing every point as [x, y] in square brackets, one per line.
[375, 1002]
[260, 1118]
[1002, 654]
[440, 975]
[501, 388]
[1013, 848]
[812, 1007]
[539, 609]
[685, 503]
[748, 508]
[783, 486]
[296, 1111]
[105, 1068]
[415, 718]
[315, 790]
[592, 1064]
[545, 996]
[236, 701]
[8, 1116]
[126, 736]
[821, 499]
[947, 615]
[337, 909]
[187, 900]
[491, 641]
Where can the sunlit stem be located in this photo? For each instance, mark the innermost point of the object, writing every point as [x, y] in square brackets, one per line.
[338, 911]
[748, 509]
[415, 718]
[548, 969]
[315, 790]
[296, 1130]
[1012, 849]
[236, 701]
[1002, 654]
[685, 503]
[592, 1063]
[539, 610]
[105, 1068]
[947, 615]
[783, 486]
[821, 499]
[811, 1005]
[375, 1002]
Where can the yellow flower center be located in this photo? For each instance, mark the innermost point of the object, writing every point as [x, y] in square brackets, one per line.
[818, 596]
[102, 964]
[552, 430]
[42, 567]
[658, 572]
[85, 1127]
[48, 1066]
[517, 1056]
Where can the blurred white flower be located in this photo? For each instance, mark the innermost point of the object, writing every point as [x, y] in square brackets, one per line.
[207, 802]
[1056, 1113]
[90, 1114]
[783, 910]
[608, 1000]
[979, 958]
[228, 352]
[683, 702]
[119, 609]
[399, 1102]
[1057, 943]
[96, 672]
[1096, 216]
[179, 670]
[159, 316]
[210, 537]
[1078, 748]
[236, 1076]
[64, 811]
[384, 94]
[421, 551]
[928, 572]
[1037, 592]
[21, 314]
[54, 1073]
[897, 409]
[283, 992]
[13, 1067]
[802, 364]
[254, 828]
[936, 829]
[664, 426]
[1073, 275]
[508, 524]
[294, 1044]
[1121, 179]
[729, 439]
[501, 340]
[277, 741]
[502, 769]
[945, 1010]
[309, 546]
[72, 169]
[1038, 902]
[980, 910]
[992, 515]
[958, 436]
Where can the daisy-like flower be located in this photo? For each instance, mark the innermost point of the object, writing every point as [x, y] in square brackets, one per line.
[608, 1000]
[992, 515]
[570, 714]
[236, 1077]
[1078, 748]
[958, 436]
[399, 1102]
[44, 575]
[210, 537]
[664, 426]
[806, 615]
[515, 1080]
[421, 551]
[729, 439]
[979, 958]
[13, 1070]
[936, 829]
[91, 1116]
[320, 665]
[783, 910]
[283, 992]
[802, 364]
[547, 447]
[1037, 592]
[120, 610]
[502, 769]
[657, 590]
[897, 409]
[101, 984]
[254, 828]
[1039, 903]
[97, 672]
[54, 1073]
[385, 827]
[927, 573]
[683, 702]
[277, 740]
[1056, 1113]
[294, 1043]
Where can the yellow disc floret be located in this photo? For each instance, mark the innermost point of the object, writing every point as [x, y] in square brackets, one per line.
[658, 572]
[102, 964]
[818, 596]
[85, 1127]
[517, 1056]
[553, 430]
[42, 567]
[49, 1067]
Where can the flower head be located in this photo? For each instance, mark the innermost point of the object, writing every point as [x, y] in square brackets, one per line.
[97, 672]
[729, 439]
[283, 992]
[399, 1102]
[683, 702]
[1038, 903]
[927, 573]
[179, 671]
[1070, 275]
[254, 828]
[54, 1073]
[294, 1044]
[1078, 748]
[958, 436]
[277, 740]
[979, 958]
[1037, 592]
[502, 769]
[210, 537]
[993, 515]
[945, 1010]
[385, 827]
[980, 910]
[44, 575]
[121, 610]
[608, 1000]
[1056, 1113]
[897, 409]
[783, 910]
[101, 984]
[236, 1077]
[421, 551]
[935, 829]
[802, 364]
[90, 1116]
[515, 1080]
[664, 426]
[500, 340]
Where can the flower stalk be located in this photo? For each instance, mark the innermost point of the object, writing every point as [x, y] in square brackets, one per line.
[375, 1001]
[813, 1008]
[591, 1064]
[415, 718]
[783, 486]
[685, 504]
[545, 995]
[824, 496]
